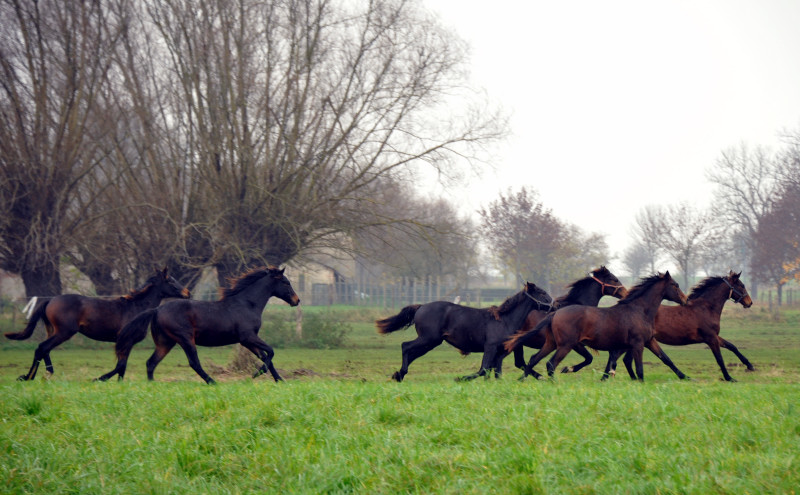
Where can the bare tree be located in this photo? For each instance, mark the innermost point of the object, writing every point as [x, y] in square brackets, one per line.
[687, 234]
[648, 233]
[289, 114]
[53, 63]
[745, 180]
[637, 260]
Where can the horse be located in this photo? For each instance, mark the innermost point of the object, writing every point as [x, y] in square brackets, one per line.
[98, 319]
[627, 326]
[698, 321]
[467, 329]
[234, 318]
[585, 292]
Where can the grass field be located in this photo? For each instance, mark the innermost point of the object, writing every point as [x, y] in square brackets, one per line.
[339, 425]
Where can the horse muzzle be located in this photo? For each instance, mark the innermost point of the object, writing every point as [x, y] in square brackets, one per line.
[747, 301]
[185, 293]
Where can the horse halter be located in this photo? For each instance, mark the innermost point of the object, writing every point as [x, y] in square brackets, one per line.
[603, 285]
[540, 303]
[733, 291]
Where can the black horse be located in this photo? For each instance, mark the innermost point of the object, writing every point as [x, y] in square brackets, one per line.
[467, 329]
[584, 292]
[234, 318]
[98, 319]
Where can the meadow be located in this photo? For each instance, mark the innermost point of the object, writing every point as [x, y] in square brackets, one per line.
[339, 425]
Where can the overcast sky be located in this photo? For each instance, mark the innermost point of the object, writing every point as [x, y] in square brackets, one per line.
[619, 104]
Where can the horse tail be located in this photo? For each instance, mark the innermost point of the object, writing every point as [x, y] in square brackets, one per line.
[36, 315]
[403, 319]
[521, 336]
[134, 332]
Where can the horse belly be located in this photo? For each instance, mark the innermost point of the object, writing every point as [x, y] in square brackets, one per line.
[676, 325]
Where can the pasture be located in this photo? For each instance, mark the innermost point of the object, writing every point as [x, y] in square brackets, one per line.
[338, 424]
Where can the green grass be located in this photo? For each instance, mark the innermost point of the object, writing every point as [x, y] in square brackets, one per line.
[339, 425]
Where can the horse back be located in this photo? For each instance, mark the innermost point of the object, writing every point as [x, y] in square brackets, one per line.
[463, 327]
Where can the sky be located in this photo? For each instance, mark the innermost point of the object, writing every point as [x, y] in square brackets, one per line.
[618, 104]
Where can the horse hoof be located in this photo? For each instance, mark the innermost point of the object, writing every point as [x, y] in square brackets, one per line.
[749, 370]
[396, 376]
[522, 378]
[567, 369]
[22, 378]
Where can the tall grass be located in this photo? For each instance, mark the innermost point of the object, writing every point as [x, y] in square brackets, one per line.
[324, 436]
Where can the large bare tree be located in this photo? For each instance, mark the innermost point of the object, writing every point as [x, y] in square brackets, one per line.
[54, 58]
[290, 114]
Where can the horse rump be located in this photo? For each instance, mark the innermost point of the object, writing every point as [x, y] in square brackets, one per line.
[403, 319]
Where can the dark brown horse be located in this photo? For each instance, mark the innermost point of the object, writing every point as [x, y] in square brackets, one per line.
[698, 321]
[467, 329]
[234, 318]
[585, 292]
[98, 319]
[627, 326]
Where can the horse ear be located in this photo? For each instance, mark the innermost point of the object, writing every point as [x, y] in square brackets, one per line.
[666, 274]
[164, 272]
[282, 270]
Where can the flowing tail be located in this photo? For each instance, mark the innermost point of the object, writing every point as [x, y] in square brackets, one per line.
[521, 336]
[403, 319]
[133, 333]
[36, 315]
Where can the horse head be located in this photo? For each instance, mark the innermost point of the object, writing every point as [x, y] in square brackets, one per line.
[609, 283]
[282, 288]
[672, 291]
[167, 286]
[538, 295]
[738, 291]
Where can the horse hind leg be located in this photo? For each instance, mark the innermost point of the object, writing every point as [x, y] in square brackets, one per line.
[587, 360]
[560, 354]
[42, 352]
[655, 348]
[162, 349]
[194, 361]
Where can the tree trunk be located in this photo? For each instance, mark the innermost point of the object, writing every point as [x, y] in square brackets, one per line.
[43, 281]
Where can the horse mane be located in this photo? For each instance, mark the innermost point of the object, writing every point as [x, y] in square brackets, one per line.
[509, 304]
[245, 280]
[137, 293]
[704, 286]
[572, 294]
[640, 289]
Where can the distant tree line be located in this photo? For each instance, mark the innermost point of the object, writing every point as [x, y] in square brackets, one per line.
[752, 223]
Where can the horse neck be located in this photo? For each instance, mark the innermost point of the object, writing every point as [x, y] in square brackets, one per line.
[256, 295]
[516, 316]
[587, 295]
[713, 299]
[650, 300]
[150, 298]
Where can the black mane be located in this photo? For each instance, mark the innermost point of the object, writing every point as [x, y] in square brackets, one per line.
[245, 280]
[704, 286]
[644, 285]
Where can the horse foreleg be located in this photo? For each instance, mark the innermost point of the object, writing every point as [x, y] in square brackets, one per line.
[637, 358]
[163, 346]
[411, 351]
[656, 349]
[733, 349]
[265, 353]
[487, 364]
[519, 358]
[714, 346]
[587, 359]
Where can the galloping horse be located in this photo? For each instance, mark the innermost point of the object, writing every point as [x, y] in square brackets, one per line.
[234, 318]
[626, 326]
[585, 292]
[467, 329]
[698, 321]
[98, 319]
